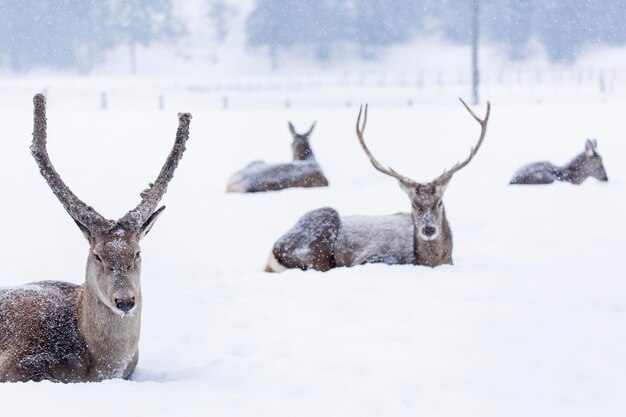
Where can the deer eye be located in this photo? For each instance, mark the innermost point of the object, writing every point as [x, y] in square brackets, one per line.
[137, 255]
[97, 258]
[440, 203]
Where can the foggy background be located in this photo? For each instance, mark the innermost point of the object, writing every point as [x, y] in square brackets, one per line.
[79, 36]
[299, 53]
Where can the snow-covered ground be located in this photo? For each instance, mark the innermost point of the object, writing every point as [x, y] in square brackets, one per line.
[530, 321]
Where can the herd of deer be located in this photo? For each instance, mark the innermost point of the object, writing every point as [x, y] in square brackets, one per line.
[58, 331]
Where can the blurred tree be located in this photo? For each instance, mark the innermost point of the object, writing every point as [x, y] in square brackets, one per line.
[323, 24]
[374, 24]
[220, 13]
[452, 18]
[564, 27]
[142, 22]
[280, 24]
[75, 34]
[511, 22]
[56, 34]
[562, 40]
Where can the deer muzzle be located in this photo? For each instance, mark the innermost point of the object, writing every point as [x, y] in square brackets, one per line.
[125, 304]
[426, 225]
[429, 231]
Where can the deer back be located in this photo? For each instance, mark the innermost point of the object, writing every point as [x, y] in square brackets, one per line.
[584, 165]
[375, 239]
[260, 177]
[32, 349]
[309, 244]
[303, 171]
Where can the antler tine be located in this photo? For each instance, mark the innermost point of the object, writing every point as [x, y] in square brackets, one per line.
[134, 219]
[459, 165]
[359, 133]
[82, 214]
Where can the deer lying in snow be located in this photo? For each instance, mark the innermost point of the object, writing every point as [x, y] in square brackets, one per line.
[304, 171]
[58, 331]
[323, 240]
[586, 164]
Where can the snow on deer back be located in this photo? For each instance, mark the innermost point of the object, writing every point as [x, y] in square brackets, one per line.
[303, 171]
[584, 165]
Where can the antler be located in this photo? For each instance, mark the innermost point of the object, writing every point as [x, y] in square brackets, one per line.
[389, 171]
[82, 214]
[134, 219]
[445, 177]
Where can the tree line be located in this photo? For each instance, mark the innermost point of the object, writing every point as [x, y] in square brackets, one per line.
[76, 34]
[563, 27]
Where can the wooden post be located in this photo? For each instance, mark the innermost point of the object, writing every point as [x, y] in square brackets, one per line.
[475, 37]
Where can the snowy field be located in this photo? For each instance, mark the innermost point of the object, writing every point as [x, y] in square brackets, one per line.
[530, 321]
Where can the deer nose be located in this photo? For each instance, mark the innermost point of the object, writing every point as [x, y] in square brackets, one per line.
[428, 231]
[125, 305]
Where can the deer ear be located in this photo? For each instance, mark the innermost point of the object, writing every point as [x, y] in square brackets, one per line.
[407, 187]
[311, 129]
[85, 231]
[292, 129]
[145, 228]
[589, 148]
[440, 188]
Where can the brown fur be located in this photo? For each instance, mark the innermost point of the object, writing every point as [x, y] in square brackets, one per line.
[322, 240]
[63, 332]
[303, 171]
[39, 334]
[584, 165]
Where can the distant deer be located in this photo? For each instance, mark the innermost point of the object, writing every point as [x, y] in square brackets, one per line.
[586, 164]
[304, 171]
[53, 330]
[323, 240]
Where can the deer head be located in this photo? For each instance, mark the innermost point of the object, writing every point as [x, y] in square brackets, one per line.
[300, 145]
[592, 161]
[114, 261]
[429, 217]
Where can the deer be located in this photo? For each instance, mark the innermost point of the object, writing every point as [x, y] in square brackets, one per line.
[323, 240]
[303, 171]
[62, 332]
[584, 165]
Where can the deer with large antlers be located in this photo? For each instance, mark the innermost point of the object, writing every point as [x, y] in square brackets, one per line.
[58, 331]
[303, 171]
[323, 240]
